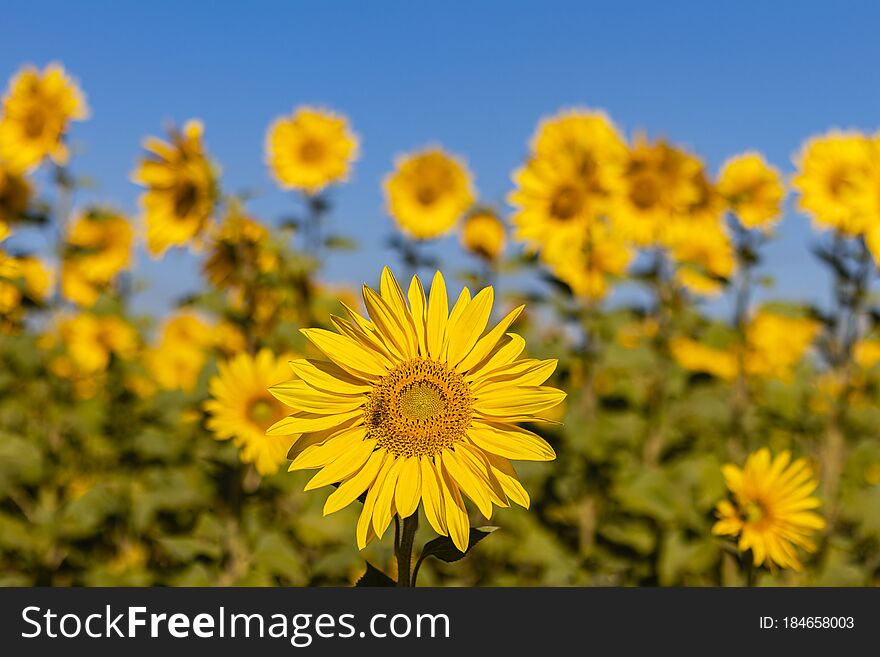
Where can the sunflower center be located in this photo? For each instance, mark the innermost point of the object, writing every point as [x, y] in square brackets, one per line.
[644, 193]
[427, 195]
[34, 124]
[754, 512]
[566, 203]
[261, 411]
[419, 408]
[311, 151]
[185, 197]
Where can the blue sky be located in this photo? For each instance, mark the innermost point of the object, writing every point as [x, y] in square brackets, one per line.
[717, 77]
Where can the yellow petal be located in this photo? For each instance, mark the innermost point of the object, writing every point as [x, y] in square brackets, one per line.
[507, 351]
[343, 465]
[325, 375]
[467, 481]
[454, 315]
[438, 316]
[385, 502]
[345, 352]
[320, 455]
[531, 373]
[409, 487]
[432, 496]
[365, 522]
[470, 326]
[457, 521]
[301, 396]
[507, 477]
[393, 296]
[387, 323]
[418, 308]
[309, 422]
[519, 401]
[475, 459]
[356, 484]
[488, 342]
[510, 441]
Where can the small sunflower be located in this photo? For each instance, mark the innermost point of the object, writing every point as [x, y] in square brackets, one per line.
[98, 248]
[238, 251]
[753, 190]
[310, 149]
[833, 180]
[704, 255]
[15, 194]
[772, 511]
[417, 404]
[181, 188]
[241, 408]
[483, 234]
[36, 111]
[428, 192]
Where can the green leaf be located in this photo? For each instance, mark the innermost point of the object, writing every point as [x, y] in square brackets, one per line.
[444, 549]
[340, 243]
[375, 577]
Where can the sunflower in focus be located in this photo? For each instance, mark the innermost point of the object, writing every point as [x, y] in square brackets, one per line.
[97, 248]
[417, 404]
[834, 181]
[241, 408]
[310, 149]
[773, 508]
[589, 260]
[37, 109]
[428, 192]
[484, 235]
[659, 183]
[753, 190]
[181, 188]
[15, 194]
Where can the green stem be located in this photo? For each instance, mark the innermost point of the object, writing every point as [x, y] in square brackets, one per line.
[404, 550]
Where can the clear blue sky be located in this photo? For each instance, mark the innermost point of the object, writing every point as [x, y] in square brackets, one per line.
[474, 76]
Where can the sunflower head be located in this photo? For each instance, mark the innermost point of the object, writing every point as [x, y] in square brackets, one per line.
[428, 192]
[241, 408]
[310, 149]
[417, 404]
[484, 235]
[37, 109]
[238, 251]
[772, 508]
[15, 194]
[752, 189]
[181, 188]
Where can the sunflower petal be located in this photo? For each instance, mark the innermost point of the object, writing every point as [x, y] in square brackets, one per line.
[325, 375]
[467, 481]
[336, 446]
[519, 401]
[507, 477]
[309, 422]
[344, 465]
[510, 441]
[385, 502]
[488, 342]
[418, 307]
[438, 316]
[409, 487]
[352, 488]
[301, 396]
[432, 496]
[345, 352]
[457, 522]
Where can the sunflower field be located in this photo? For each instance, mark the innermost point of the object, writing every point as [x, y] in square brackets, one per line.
[279, 429]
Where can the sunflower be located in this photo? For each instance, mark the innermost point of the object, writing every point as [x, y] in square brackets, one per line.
[241, 408]
[772, 511]
[181, 188]
[587, 135]
[695, 356]
[660, 183]
[417, 404]
[753, 190]
[704, 255]
[176, 361]
[834, 179]
[776, 343]
[428, 192]
[15, 194]
[36, 110]
[310, 149]
[483, 234]
[238, 251]
[98, 247]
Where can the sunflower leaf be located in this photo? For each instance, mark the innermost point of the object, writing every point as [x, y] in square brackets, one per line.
[374, 577]
[444, 549]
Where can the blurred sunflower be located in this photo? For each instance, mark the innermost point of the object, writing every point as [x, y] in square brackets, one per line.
[695, 356]
[90, 340]
[660, 182]
[97, 248]
[417, 404]
[428, 192]
[834, 181]
[772, 511]
[36, 111]
[589, 136]
[753, 190]
[176, 361]
[181, 188]
[15, 194]
[310, 149]
[704, 256]
[776, 343]
[483, 234]
[238, 251]
[241, 408]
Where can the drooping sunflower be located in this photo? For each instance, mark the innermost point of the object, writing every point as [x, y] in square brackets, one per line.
[98, 248]
[833, 180]
[310, 149]
[238, 251]
[428, 192]
[773, 508]
[15, 194]
[36, 111]
[181, 188]
[483, 234]
[753, 190]
[417, 404]
[241, 408]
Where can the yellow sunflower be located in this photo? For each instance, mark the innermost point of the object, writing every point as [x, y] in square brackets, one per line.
[98, 248]
[753, 190]
[181, 188]
[695, 356]
[833, 180]
[428, 192]
[772, 511]
[660, 183]
[15, 194]
[241, 408]
[238, 251]
[310, 149]
[417, 404]
[776, 343]
[36, 110]
[483, 234]
[176, 361]
[589, 136]
[704, 255]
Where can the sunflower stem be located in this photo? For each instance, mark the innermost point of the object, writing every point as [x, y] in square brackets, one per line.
[404, 549]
